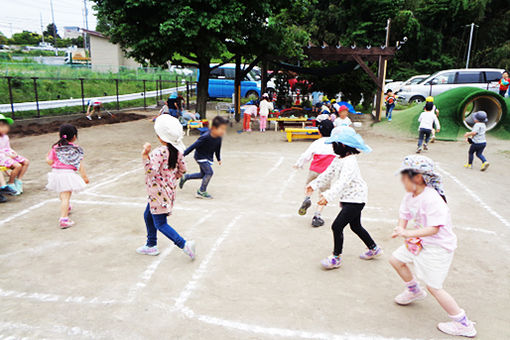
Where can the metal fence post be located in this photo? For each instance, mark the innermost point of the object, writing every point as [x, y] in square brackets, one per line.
[117, 89]
[177, 84]
[144, 101]
[10, 96]
[82, 96]
[160, 88]
[187, 95]
[157, 99]
[36, 97]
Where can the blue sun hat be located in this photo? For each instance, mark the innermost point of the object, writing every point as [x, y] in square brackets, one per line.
[350, 138]
[173, 95]
[6, 119]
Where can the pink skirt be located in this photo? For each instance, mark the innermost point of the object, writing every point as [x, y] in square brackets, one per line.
[61, 180]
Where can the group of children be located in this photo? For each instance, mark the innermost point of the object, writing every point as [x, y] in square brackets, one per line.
[263, 108]
[424, 219]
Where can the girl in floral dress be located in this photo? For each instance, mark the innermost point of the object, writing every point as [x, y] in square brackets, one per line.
[163, 167]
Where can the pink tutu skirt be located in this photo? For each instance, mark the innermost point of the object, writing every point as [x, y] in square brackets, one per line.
[61, 180]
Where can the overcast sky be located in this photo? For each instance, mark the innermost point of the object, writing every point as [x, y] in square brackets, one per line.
[25, 15]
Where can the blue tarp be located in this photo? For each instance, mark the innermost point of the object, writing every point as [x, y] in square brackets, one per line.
[351, 108]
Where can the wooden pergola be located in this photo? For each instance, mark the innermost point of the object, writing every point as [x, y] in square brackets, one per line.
[362, 56]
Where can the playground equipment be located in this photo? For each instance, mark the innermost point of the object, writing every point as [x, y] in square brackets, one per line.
[456, 107]
[304, 133]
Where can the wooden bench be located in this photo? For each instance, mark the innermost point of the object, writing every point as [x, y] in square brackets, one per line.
[299, 133]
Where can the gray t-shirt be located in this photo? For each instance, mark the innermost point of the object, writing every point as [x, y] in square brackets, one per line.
[480, 129]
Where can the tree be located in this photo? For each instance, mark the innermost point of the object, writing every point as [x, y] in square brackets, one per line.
[3, 39]
[25, 38]
[51, 31]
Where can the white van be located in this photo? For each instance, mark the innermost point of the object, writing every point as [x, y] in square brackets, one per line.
[439, 82]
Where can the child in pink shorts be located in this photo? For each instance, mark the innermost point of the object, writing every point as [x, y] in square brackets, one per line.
[10, 158]
[429, 244]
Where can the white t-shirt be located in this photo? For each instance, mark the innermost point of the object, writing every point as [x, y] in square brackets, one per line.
[480, 129]
[342, 122]
[265, 107]
[427, 120]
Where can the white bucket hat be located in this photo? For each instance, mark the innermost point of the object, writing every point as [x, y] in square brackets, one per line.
[169, 129]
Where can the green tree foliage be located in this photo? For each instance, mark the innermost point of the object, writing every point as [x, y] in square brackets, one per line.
[3, 39]
[25, 38]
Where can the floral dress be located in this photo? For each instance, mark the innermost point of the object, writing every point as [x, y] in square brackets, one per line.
[161, 181]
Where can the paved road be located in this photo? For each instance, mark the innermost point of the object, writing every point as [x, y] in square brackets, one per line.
[52, 104]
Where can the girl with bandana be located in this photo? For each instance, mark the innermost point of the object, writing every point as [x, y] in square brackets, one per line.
[68, 174]
[429, 243]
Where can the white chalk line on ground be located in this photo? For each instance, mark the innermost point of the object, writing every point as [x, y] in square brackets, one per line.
[285, 184]
[146, 276]
[58, 329]
[44, 297]
[475, 197]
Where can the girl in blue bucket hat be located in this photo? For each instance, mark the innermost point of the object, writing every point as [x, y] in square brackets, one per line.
[476, 137]
[343, 178]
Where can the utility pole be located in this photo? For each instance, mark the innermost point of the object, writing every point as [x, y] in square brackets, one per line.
[86, 18]
[383, 62]
[470, 42]
[54, 27]
[42, 28]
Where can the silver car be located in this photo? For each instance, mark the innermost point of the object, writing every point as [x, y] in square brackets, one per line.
[439, 82]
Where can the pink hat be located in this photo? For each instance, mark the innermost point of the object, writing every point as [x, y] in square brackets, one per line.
[343, 108]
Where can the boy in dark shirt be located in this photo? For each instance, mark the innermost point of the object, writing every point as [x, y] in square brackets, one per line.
[206, 146]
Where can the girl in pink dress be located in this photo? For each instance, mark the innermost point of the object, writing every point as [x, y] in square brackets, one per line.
[163, 167]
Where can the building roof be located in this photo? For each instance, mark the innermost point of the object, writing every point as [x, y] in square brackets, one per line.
[94, 33]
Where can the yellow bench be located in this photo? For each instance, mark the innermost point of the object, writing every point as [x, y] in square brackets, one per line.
[2, 179]
[195, 124]
[299, 133]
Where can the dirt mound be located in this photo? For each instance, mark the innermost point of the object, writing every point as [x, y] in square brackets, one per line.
[43, 126]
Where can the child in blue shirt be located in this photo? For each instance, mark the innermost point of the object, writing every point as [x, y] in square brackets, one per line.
[206, 147]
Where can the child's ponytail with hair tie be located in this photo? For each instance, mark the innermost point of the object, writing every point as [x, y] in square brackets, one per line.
[66, 132]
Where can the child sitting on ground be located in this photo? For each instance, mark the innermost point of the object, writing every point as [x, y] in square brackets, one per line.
[10, 159]
[477, 140]
[65, 159]
[206, 147]
[163, 167]
[429, 245]
[427, 121]
[346, 185]
[321, 155]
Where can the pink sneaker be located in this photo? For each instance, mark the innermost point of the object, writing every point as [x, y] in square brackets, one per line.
[371, 253]
[406, 297]
[65, 222]
[458, 328]
[145, 250]
[331, 262]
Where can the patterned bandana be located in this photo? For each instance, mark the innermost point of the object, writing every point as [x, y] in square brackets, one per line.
[424, 166]
[70, 155]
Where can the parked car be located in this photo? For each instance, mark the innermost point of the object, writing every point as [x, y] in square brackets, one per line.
[221, 82]
[396, 86]
[439, 82]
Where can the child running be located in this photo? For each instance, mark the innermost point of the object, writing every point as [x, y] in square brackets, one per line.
[163, 167]
[429, 245]
[321, 155]
[476, 137]
[427, 120]
[436, 111]
[10, 159]
[346, 185]
[65, 159]
[206, 147]
[390, 101]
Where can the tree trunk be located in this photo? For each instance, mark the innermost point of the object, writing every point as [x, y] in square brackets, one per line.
[237, 89]
[203, 88]
[263, 80]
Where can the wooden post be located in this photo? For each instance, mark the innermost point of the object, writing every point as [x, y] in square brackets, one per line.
[237, 89]
[263, 78]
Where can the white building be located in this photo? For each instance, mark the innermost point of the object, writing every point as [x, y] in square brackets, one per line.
[71, 32]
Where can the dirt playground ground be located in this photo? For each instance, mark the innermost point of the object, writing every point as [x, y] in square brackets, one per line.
[257, 273]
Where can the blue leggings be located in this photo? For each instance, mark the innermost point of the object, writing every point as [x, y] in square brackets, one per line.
[155, 222]
[478, 149]
[205, 174]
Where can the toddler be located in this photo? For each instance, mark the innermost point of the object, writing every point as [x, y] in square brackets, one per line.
[476, 137]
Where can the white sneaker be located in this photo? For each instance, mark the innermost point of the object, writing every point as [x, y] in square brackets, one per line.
[145, 250]
[98, 117]
[190, 249]
[89, 117]
[457, 328]
[406, 297]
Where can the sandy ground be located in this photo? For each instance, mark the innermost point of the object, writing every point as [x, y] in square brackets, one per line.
[257, 275]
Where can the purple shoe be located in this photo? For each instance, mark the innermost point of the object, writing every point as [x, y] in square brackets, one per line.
[331, 262]
[371, 253]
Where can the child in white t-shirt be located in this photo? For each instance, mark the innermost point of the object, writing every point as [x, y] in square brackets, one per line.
[427, 121]
[429, 244]
[343, 117]
[265, 108]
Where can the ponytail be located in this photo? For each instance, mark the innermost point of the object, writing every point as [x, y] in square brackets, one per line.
[67, 132]
[173, 154]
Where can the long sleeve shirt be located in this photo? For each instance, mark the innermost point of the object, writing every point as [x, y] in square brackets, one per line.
[343, 178]
[161, 181]
[320, 153]
[205, 148]
[427, 120]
